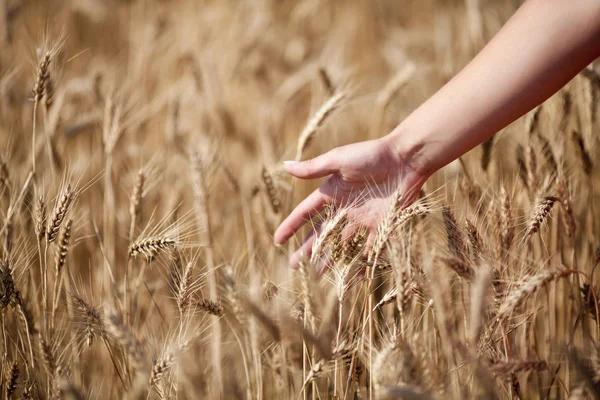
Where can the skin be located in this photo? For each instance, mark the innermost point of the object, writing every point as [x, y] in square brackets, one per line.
[541, 48]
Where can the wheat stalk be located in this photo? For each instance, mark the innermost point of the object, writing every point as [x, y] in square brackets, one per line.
[507, 228]
[41, 218]
[268, 323]
[316, 122]
[165, 363]
[479, 301]
[121, 333]
[211, 307]
[540, 214]
[456, 241]
[8, 291]
[306, 290]
[385, 229]
[48, 359]
[60, 259]
[329, 229]
[135, 201]
[533, 119]
[475, 240]
[564, 197]
[514, 367]
[62, 247]
[39, 89]
[527, 288]
[185, 290]
[12, 378]
[4, 175]
[460, 266]
[326, 81]
[548, 153]
[92, 317]
[585, 159]
[151, 246]
[230, 287]
[271, 190]
[59, 213]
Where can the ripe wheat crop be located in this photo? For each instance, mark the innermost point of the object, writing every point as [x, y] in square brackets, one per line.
[141, 182]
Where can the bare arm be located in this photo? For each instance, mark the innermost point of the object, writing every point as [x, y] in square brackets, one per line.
[543, 46]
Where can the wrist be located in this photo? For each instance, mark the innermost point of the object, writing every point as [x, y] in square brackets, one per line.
[409, 150]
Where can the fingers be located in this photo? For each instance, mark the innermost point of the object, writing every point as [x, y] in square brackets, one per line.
[304, 251]
[321, 264]
[369, 243]
[298, 217]
[364, 245]
[318, 167]
[348, 232]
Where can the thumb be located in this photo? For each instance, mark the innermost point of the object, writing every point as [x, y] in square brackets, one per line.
[318, 167]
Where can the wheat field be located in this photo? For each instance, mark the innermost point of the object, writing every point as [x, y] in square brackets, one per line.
[141, 182]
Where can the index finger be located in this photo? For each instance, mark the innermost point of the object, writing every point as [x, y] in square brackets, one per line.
[300, 215]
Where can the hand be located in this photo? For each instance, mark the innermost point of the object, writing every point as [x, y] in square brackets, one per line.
[364, 177]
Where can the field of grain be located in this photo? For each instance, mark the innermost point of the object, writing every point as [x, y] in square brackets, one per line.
[141, 182]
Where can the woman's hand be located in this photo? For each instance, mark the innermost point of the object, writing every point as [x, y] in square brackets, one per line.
[363, 177]
[508, 77]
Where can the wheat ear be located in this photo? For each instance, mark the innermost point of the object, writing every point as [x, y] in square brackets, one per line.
[454, 235]
[12, 378]
[60, 259]
[185, 290]
[151, 246]
[39, 89]
[60, 211]
[92, 317]
[528, 287]
[541, 213]
[316, 122]
[210, 306]
[271, 189]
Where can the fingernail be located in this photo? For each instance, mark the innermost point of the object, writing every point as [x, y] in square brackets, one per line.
[290, 163]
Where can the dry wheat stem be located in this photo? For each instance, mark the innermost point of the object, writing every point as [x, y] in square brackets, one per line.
[60, 259]
[475, 240]
[271, 189]
[185, 290]
[455, 237]
[65, 200]
[198, 166]
[329, 229]
[123, 336]
[38, 92]
[135, 202]
[92, 317]
[480, 293]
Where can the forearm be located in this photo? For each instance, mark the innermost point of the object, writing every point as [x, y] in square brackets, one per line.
[543, 46]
